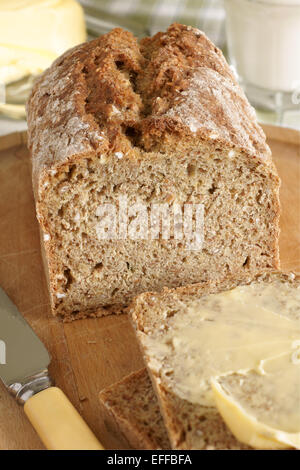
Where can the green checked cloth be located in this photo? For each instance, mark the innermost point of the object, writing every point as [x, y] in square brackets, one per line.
[146, 17]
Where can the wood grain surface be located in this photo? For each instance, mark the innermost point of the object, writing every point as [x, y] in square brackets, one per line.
[88, 355]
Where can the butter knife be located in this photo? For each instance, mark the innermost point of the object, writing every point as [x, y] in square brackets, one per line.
[24, 363]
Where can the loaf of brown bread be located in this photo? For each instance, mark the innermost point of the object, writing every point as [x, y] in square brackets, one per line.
[160, 122]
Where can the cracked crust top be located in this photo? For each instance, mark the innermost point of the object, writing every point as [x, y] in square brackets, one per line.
[116, 95]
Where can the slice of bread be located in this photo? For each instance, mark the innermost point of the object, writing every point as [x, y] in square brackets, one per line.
[161, 126]
[189, 424]
[131, 410]
[132, 415]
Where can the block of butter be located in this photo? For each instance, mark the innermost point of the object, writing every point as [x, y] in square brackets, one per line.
[34, 32]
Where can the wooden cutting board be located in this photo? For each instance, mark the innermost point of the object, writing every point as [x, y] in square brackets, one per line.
[88, 355]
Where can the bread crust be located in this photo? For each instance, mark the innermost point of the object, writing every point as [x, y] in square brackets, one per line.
[174, 86]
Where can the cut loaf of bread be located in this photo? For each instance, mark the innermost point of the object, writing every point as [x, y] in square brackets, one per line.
[132, 412]
[158, 122]
[189, 424]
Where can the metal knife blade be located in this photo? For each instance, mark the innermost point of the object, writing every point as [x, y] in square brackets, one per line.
[24, 357]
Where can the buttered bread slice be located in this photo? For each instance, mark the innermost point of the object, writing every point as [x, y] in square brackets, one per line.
[227, 350]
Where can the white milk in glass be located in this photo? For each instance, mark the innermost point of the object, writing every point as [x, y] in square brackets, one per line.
[264, 48]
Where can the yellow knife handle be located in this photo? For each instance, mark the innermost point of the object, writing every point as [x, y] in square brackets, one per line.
[58, 423]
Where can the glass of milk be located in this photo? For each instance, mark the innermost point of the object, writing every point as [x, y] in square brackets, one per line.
[264, 48]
